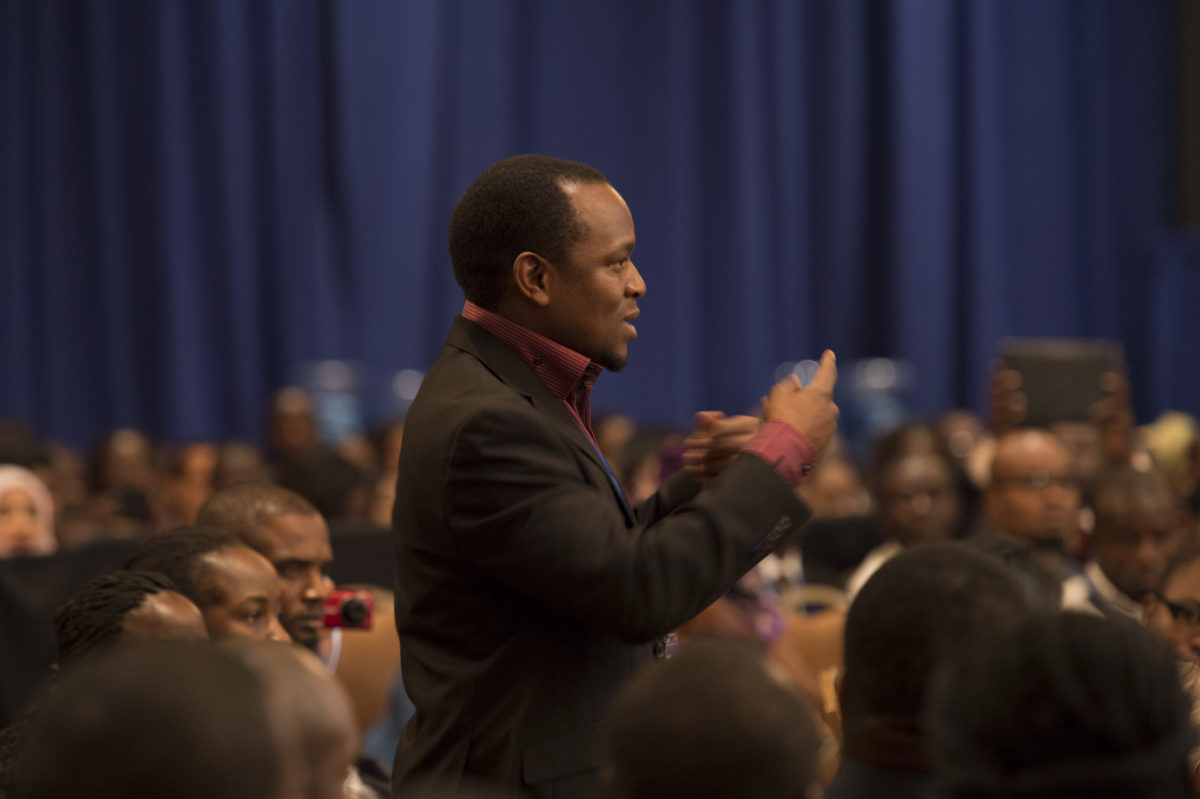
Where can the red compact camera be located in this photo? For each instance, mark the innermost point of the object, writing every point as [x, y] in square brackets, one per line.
[349, 609]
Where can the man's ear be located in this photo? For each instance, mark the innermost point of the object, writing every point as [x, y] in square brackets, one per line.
[531, 277]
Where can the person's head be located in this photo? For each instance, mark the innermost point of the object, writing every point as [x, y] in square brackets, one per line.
[835, 490]
[26, 514]
[1032, 493]
[189, 471]
[124, 459]
[1063, 706]
[918, 489]
[712, 721]
[235, 587]
[907, 620]
[184, 720]
[293, 536]
[1139, 528]
[547, 243]
[310, 716]
[292, 423]
[1174, 610]
[124, 607]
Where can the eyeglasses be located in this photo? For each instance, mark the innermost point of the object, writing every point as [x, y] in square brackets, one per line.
[1184, 614]
[1039, 479]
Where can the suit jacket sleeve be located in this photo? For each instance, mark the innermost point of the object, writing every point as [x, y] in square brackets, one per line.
[517, 507]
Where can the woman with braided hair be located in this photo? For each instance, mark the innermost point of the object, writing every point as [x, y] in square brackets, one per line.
[113, 609]
[124, 606]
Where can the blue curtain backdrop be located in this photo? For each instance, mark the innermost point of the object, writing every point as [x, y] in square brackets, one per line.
[197, 197]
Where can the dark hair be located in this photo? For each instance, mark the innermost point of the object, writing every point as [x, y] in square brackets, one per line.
[178, 720]
[91, 620]
[178, 553]
[711, 722]
[1064, 705]
[905, 622]
[514, 206]
[1116, 484]
[245, 509]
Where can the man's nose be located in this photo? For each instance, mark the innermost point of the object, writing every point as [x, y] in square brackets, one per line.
[317, 587]
[636, 286]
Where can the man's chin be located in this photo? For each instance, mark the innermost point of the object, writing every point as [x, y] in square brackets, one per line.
[613, 361]
[306, 636]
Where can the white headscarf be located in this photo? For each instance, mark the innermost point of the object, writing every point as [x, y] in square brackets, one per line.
[19, 477]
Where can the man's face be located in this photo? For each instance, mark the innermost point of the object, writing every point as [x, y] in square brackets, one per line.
[919, 501]
[248, 596]
[594, 295]
[1033, 494]
[1175, 612]
[300, 551]
[1135, 539]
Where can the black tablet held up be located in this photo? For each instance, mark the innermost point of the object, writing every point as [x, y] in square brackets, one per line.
[1060, 377]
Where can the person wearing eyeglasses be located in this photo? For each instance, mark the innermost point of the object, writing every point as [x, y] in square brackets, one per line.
[1138, 533]
[1032, 497]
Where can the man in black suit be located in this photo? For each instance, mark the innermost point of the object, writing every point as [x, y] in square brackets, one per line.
[528, 589]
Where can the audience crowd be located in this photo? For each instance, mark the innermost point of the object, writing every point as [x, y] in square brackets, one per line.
[978, 609]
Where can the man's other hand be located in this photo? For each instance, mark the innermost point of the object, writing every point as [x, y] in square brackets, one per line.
[716, 441]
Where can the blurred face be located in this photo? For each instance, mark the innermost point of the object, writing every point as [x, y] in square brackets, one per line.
[918, 500]
[18, 523]
[1175, 612]
[1033, 494]
[1136, 537]
[165, 616]
[300, 552]
[834, 491]
[595, 293]
[248, 599]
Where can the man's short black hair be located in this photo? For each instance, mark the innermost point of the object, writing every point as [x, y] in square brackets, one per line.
[91, 620]
[516, 205]
[711, 722]
[245, 509]
[908, 619]
[1117, 485]
[1061, 706]
[178, 554]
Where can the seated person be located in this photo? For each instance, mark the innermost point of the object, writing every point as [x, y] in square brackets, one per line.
[920, 495]
[311, 718]
[1063, 705]
[1174, 611]
[1032, 496]
[117, 608]
[905, 624]
[1138, 531]
[712, 721]
[235, 587]
[124, 607]
[26, 514]
[180, 720]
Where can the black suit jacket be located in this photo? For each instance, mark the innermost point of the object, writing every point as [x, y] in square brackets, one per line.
[525, 593]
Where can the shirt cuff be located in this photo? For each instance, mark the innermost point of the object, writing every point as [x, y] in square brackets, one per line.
[785, 449]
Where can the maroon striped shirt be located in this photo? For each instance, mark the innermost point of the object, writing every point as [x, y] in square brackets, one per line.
[571, 376]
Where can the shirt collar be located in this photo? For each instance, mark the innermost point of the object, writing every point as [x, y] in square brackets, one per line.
[569, 375]
[1115, 597]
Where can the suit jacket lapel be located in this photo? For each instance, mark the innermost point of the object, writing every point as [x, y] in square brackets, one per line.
[506, 365]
